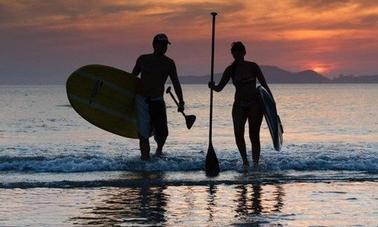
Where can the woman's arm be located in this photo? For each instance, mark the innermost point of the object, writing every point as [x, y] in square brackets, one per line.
[222, 83]
[262, 80]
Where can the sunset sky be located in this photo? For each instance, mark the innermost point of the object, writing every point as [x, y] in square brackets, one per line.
[51, 38]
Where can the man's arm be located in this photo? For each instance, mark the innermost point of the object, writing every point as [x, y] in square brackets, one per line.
[137, 67]
[176, 84]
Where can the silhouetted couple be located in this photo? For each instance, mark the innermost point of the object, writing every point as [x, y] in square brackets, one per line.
[155, 69]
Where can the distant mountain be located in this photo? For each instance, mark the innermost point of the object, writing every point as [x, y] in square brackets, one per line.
[272, 74]
[356, 79]
[275, 74]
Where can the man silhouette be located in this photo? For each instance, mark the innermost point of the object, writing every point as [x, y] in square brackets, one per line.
[155, 68]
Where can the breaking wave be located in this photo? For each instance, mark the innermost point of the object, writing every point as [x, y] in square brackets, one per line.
[294, 157]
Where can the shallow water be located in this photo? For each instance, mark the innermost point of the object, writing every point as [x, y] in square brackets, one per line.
[57, 169]
[289, 204]
[327, 127]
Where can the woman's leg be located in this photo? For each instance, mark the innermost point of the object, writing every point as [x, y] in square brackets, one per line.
[239, 117]
[255, 117]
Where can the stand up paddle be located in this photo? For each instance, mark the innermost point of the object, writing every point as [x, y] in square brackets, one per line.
[212, 164]
[189, 119]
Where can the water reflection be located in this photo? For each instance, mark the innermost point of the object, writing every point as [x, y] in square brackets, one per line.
[149, 204]
[278, 198]
[252, 200]
[212, 189]
[138, 205]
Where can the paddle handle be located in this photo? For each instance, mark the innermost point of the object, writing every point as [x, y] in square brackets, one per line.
[213, 14]
[168, 91]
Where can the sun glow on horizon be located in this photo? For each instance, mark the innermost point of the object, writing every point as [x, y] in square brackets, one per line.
[320, 68]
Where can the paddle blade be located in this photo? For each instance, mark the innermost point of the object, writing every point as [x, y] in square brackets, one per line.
[212, 164]
[190, 119]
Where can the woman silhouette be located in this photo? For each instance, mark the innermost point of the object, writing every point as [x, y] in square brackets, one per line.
[247, 104]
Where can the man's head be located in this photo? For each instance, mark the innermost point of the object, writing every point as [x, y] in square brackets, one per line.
[160, 43]
[238, 50]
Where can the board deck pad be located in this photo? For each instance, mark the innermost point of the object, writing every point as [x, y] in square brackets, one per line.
[105, 97]
[271, 117]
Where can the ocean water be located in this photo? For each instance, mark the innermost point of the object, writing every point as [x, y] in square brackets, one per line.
[58, 169]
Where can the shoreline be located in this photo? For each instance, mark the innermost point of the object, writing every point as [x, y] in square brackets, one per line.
[98, 179]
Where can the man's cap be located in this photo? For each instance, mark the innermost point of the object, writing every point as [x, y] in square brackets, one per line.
[161, 38]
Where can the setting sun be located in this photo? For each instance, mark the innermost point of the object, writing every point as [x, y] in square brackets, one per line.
[319, 69]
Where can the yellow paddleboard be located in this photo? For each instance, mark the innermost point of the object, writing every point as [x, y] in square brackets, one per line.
[105, 96]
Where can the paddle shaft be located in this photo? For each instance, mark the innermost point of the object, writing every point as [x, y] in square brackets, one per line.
[211, 163]
[212, 78]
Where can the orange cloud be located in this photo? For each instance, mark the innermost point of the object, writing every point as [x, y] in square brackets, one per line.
[290, 33]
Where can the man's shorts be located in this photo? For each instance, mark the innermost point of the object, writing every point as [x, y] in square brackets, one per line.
[152, 118]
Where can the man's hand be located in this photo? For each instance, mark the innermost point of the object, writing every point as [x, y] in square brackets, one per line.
[181, 107]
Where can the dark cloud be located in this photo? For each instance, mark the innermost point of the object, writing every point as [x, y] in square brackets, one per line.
[192, 12]
[368, 20]
[125, 7]
[23, 12]
[355, 22]
[334, 4]
[322, 4]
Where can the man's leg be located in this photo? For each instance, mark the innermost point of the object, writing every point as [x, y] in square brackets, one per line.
[144, 126]
[158, 116]
[144, 145]
[160, 144]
